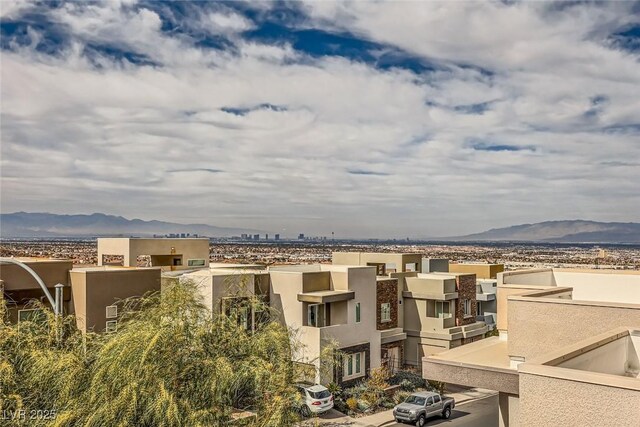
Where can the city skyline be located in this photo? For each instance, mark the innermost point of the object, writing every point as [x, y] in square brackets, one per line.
[367, 119]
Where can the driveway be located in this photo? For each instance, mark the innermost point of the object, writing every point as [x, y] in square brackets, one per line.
[482, 411]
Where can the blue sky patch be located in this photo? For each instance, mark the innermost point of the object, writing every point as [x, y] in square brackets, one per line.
[487, 146]
[366, 172]
[243, 111]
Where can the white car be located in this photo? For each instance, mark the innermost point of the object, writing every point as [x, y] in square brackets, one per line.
[316, 399]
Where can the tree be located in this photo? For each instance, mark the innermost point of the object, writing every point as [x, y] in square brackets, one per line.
[170, 363]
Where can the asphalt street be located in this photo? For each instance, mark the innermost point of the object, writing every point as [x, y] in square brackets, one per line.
[479, 413]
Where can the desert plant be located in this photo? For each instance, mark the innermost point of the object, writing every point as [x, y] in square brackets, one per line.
[400, 396]
[407, 385]
[352, 404]
[170, 363]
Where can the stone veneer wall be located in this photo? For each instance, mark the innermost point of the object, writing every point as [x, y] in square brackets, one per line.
[387, 292]
[466, 287]
[338, 365]
[400, 363]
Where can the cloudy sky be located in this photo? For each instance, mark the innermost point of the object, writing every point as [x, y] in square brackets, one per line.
[374, 119]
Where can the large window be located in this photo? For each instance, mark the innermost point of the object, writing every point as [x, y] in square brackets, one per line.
[466, 307]
[357, 312]
[240, 309]
[438, 309]
[385, 312]
[353, 365]
[31, 315]
[317, 315]
[195, 262]
[479, 307]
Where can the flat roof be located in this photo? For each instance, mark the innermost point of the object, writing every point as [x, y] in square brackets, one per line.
[322, 297]
[111, 268]
[489, 352]
[27, 259]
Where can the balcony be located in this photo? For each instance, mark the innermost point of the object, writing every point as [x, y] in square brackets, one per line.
[392, 335]
[325, 297]
[443, 321]
[434, 288]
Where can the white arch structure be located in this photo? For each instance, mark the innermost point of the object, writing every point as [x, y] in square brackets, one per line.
[55, 304]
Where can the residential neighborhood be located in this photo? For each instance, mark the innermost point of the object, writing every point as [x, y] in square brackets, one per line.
[468, 326]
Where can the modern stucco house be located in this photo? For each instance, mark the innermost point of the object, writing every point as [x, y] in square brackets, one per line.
[437, 311]
[169, 254]
[567, 353]
[331, 307]
[89, 293]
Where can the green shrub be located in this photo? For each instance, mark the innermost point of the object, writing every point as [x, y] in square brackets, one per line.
[363, 405]
[407, 385]
[414, 377]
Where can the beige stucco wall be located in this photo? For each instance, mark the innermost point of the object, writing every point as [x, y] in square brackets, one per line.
[285, 287]
[131, 248]
[362, 258]
[538, 325]
[503, 293]
[95, 289]
[482, 271]
[51, 272]
[345, 258]
[608, 286]
[538, 277]
[316, 281]
[547, 401]
[213, 287]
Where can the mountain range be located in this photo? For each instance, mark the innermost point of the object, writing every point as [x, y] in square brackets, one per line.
[569, 231]
[25, 224]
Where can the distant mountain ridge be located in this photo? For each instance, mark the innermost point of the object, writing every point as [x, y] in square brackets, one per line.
[568, 231]
[26, 224]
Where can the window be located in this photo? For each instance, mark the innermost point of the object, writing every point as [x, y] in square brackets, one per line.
[385, 312]
[316, 315]
[112, 311]
[111, 326]
[429, 401]
[195, 262]
[436, 399]
[466, 307]
[353, 365]
[411, 266]
[442, 309]
[240, 309]
[177, 261]
[380, 268]
[357, 312]
[31, 315]
[479, 307]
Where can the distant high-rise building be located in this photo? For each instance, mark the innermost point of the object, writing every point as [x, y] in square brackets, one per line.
[277, 237]
[266, 237]
[301, 236]
[256, 237]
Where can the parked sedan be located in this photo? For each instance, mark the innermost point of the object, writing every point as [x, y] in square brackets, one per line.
[316, 399]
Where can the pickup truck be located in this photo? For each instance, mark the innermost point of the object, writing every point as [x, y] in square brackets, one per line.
[422, 405]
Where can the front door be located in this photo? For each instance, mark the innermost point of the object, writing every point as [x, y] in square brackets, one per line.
[394, 359]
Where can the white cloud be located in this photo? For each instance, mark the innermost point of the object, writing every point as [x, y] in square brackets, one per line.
[327, 144]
